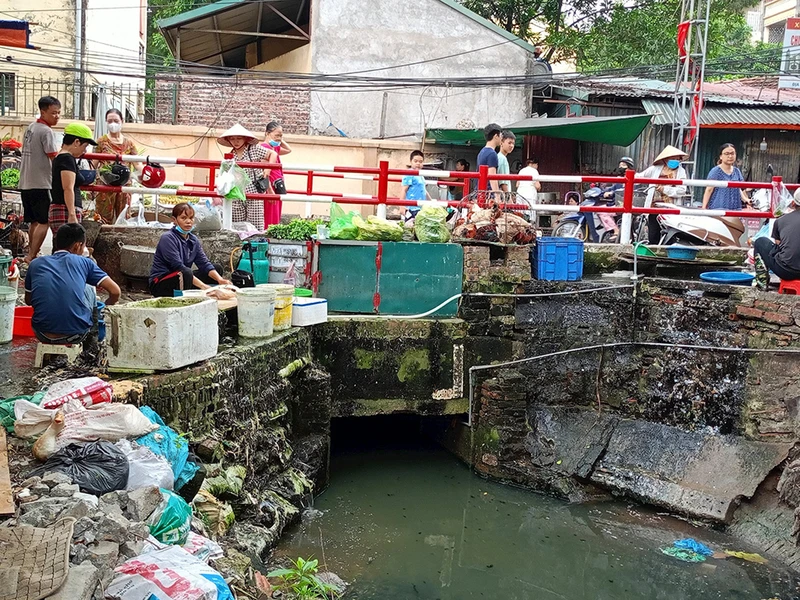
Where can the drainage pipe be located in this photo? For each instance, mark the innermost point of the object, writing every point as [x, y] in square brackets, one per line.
[481, 294]
[734, 349]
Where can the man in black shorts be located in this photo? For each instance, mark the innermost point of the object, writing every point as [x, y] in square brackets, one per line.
[35, 174]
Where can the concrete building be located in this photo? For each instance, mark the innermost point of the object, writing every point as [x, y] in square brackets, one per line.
[768, 19]
[111, 50]
[412, 40]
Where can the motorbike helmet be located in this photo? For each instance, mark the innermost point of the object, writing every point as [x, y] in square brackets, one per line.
[117, 175]
[628, 161]
[593, 192]
[153, 175]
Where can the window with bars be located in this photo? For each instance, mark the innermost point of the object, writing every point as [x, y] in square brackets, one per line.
[8, 89]
[775, 33]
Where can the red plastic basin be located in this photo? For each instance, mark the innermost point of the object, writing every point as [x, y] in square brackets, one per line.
[22, 321]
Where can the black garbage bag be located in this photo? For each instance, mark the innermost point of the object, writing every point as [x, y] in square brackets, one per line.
[97, 467]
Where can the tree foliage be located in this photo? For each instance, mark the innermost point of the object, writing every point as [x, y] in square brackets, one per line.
[607, 35]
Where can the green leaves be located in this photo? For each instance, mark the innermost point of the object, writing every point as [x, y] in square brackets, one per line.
[298, 229]
[302, 582]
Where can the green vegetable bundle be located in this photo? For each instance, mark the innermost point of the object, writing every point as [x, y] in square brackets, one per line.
[9, 178]
[375, 229]
[297, 229]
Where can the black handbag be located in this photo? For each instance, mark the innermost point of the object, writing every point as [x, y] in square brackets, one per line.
[241, 278]
[279, 186]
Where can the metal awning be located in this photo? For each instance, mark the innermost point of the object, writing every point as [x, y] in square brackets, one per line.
[218, 33]
[617, 131]
[721, 116]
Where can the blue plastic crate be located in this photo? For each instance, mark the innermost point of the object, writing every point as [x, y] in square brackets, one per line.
[557, 259]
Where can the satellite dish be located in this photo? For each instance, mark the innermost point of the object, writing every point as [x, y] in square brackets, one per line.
[542, 76]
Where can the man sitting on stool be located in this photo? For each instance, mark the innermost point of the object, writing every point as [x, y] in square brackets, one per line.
[783, 256]
[61, 290]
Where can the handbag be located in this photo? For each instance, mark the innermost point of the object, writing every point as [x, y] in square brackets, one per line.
[241, 278]
[279, 186]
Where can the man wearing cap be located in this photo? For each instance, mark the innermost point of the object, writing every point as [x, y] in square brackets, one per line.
[38, 149]
[66, 205]
[782, 256]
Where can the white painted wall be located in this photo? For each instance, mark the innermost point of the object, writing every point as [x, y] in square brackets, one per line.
[347, 37]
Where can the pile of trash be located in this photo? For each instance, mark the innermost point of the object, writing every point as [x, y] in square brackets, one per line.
[691, 551]
[115, 505]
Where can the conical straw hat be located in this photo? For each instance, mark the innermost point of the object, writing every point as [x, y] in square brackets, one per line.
[237, 130]
[670, 152]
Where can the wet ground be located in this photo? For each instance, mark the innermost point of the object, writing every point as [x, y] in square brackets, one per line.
[411, 522]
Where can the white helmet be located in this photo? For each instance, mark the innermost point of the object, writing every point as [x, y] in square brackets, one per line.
[797, 197]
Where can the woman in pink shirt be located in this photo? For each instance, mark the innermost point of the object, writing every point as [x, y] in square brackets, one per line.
[275, 143]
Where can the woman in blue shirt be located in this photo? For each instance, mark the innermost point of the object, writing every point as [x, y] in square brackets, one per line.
[726, 198]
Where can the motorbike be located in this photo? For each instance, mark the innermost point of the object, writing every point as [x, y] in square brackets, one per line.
[690, 230]
[576, 225]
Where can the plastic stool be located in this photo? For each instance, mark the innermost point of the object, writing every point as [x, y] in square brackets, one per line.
[72, 352]
[790, 287]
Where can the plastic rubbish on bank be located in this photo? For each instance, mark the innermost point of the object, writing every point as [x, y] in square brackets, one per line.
[694, 546]
[342, 227]
[7, 417]
[684, 555]
[375, 229]
[430, 224]
[168, 574]
[217, 516]
[164, 441]
[107, 421]
[87, 390]
[45, 446]
[206, 217]
[145, 468]
[203, 548]
[97, 468]
[748, 556]
[171, 521]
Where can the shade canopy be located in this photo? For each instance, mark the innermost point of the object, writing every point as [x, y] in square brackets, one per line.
[616, 131]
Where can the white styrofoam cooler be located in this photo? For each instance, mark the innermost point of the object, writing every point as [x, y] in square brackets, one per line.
[162, 334]
[309, 311]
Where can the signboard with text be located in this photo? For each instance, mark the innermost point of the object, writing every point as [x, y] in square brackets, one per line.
[790, 59]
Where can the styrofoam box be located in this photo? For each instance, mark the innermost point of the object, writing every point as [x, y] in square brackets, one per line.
[162, 334]
[287, 248]
[309, 311]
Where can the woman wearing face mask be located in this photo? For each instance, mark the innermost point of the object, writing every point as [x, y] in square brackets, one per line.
[726, 170]
[246, 149]
[177, 250]
[667, 165]
[278, 147]
[109, 205]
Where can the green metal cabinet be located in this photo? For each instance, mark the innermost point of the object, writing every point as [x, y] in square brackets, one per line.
[396, 278]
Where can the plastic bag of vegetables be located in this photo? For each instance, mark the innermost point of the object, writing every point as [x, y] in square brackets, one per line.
[342, 227]
[375, 229]
[430, 224]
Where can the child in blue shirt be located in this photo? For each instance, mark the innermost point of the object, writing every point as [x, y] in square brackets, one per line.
[414, 185]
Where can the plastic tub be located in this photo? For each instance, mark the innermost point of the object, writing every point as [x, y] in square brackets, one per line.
[303, 293]
[728, 277]
[284, 294]
[8, 298]
[22, 321]
[642, 250]
[309, 311]
[256, 308]
[682, 252]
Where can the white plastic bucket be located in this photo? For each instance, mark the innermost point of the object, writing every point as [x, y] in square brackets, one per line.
[8, 299]
[284, 297]
[256, 307]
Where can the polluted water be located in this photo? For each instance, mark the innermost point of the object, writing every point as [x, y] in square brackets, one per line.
[415, 523]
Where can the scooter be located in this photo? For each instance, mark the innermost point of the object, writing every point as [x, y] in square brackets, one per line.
[576, 225]
[700, 230]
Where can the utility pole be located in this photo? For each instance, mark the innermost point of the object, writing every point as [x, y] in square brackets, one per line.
[688, 99]
[81, 112]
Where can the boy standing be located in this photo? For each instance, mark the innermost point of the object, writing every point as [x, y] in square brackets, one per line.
[61, 290]
[507, 142]
[35, 178]
[414, 185]
[488, 155]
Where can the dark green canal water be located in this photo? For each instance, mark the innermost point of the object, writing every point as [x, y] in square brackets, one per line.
[407, 522]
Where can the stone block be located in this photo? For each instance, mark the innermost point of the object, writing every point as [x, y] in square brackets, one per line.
[142, 502]
[691, 473]
[103, 554]
[65, 490]
[52, 479]
[80, 584]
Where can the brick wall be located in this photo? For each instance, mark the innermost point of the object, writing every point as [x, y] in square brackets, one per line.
[220, 102]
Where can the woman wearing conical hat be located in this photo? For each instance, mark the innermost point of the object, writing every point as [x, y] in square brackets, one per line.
[246, 149]
[667, 165]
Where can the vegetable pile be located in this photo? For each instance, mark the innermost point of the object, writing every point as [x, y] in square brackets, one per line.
[297, 229]
[9, 178]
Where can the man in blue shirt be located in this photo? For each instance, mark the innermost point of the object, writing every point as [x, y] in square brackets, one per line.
[61, 290]
[488, 155]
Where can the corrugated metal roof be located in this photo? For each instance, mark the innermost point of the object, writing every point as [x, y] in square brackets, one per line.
[720, 115]
[746, 93]
[225, 27]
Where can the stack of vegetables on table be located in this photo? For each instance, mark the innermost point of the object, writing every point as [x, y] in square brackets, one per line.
[297, 229]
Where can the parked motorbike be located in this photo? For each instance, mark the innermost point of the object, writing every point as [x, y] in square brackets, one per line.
[693, 230]
[576, 225]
